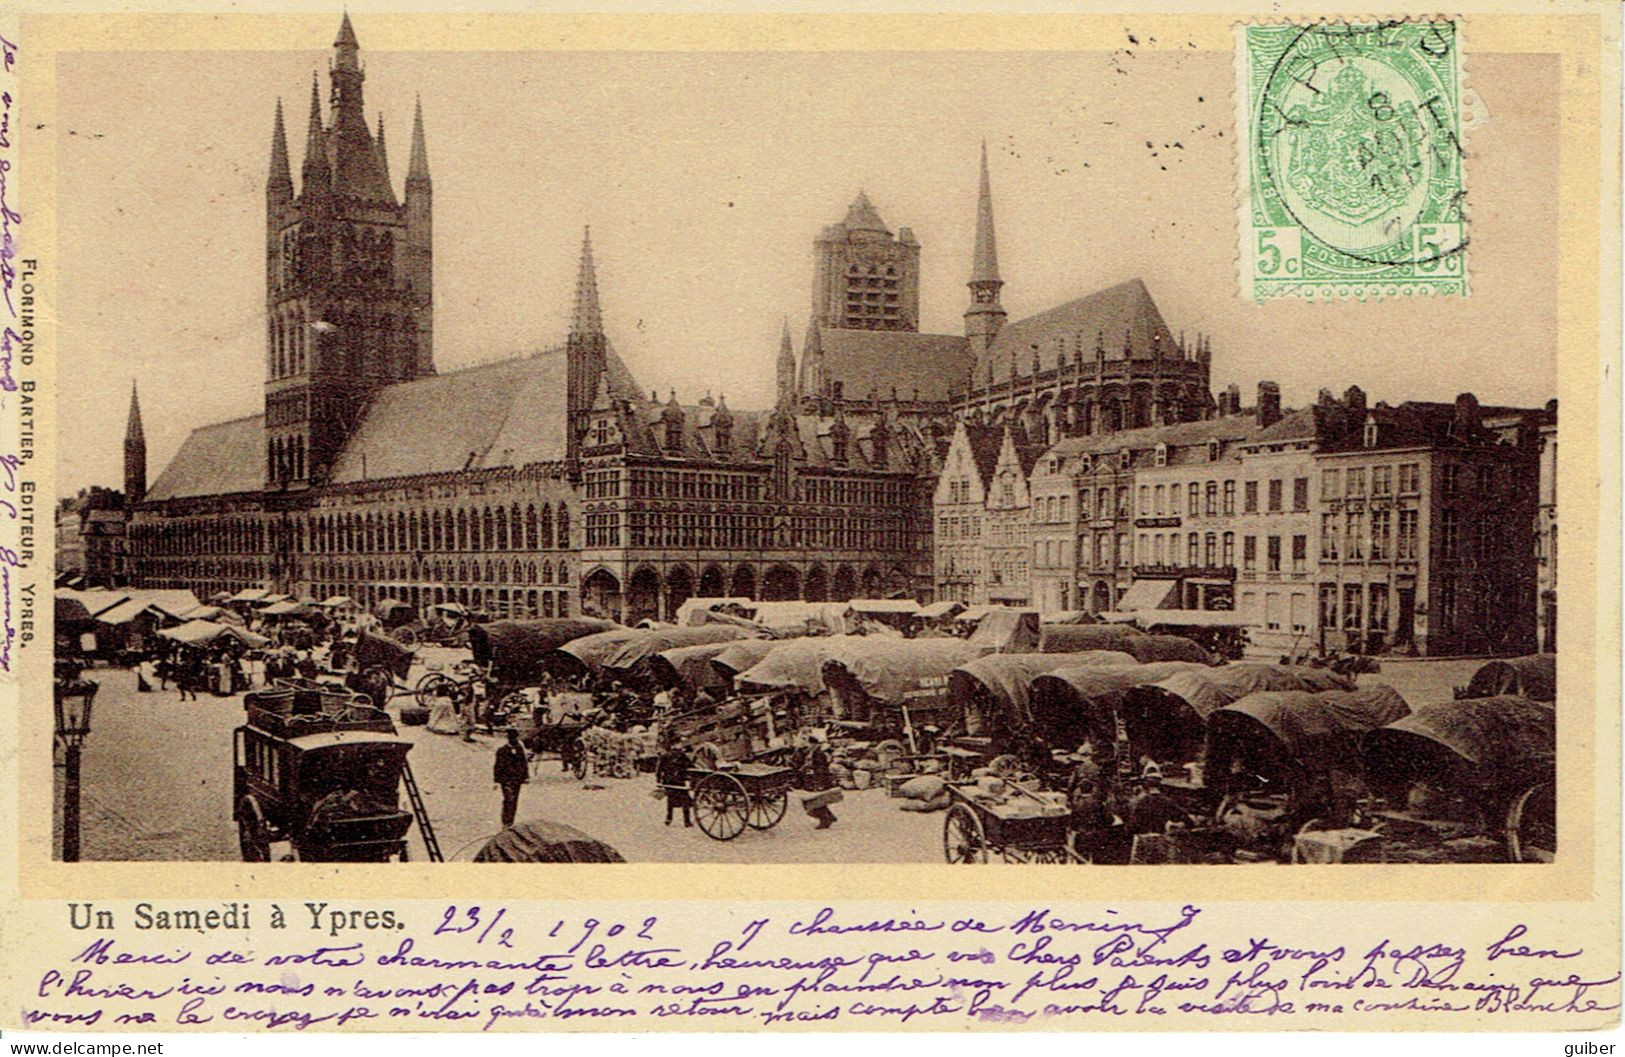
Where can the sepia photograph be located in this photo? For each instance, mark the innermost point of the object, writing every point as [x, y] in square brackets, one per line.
[1136, 456]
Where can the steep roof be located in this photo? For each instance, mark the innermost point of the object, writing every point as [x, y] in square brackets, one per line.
[916, 366]
[507, 413]
[1293, 426]
[1106, 316]
[984, 443]
[217, 459]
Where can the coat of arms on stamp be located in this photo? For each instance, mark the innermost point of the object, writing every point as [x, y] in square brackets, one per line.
[1352, 160]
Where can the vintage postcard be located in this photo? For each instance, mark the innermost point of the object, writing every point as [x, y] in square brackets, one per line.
[530, 520]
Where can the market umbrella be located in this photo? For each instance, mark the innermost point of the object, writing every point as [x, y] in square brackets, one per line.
[541, 840]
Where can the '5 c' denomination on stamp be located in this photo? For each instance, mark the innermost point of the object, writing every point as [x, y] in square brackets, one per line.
[1352, 160]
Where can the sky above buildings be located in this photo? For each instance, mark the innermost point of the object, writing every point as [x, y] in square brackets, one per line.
[705, 178]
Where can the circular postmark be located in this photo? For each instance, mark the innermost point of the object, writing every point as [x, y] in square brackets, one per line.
[1357, 141]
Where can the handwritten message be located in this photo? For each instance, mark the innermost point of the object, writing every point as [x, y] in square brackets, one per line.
[299, 965]
[16, 347]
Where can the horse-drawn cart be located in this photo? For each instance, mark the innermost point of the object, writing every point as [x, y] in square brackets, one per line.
[726, 802]
[1016, 824]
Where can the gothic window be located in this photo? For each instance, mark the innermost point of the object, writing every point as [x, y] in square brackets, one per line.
[462, 530]
[502, 529]
[488, 538]
[530, 527]
[435, 537]
[564, 534]
[547, 572]
[547, 527]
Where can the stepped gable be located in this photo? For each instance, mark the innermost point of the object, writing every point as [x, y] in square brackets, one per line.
[223, 458]
[1104, 316]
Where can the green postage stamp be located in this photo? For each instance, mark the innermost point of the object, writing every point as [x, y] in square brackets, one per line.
[1353, 183]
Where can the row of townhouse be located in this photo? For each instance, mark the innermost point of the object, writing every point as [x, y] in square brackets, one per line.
[1426, 527]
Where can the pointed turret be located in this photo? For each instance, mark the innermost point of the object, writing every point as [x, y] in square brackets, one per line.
[280, 180]
[586, 319]
[417, 169]
[135, 452]
[383, 152]
[315, 174]
[585, 350]
[813, 380]
[985, 315]
[786, 368]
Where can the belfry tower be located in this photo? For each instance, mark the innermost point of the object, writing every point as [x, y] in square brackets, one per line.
[348, 278]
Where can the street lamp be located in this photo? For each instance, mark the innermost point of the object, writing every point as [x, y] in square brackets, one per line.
[73, 697]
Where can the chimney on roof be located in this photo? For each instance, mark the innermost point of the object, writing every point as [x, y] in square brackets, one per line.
[1232, 395]
[1269, 404]
[1354, 400]
[1466, 420]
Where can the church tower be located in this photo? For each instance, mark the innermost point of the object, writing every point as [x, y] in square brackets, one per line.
[135, 454]
[348, 282]
[586, 351]
[864, 278]
[985, 315]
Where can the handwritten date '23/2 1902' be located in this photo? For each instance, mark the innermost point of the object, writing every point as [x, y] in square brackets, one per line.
[481, 968]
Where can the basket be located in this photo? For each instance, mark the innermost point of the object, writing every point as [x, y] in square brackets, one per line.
[814, 801]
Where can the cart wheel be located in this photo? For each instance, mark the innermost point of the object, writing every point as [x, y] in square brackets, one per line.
[432, 686]
[253, 834]
[1531, 828]
[1037, 856]
[575, 758]
[767, 811]
[963, 839]
[720, 806]
[405, 636]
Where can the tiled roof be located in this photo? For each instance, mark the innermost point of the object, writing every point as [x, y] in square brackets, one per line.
[1226, 429]
[985, 442]
[217, 459]
[1106, 316]
[914, 366]
[1293, 426]
[507, 413]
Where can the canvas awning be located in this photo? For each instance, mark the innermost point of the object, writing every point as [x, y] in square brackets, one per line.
[125, 611]
[248, 594]
[337, 602]
[203, 632]
[1146, 594]
[940, 610]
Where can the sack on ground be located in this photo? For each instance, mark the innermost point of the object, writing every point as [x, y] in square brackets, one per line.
[923, 787]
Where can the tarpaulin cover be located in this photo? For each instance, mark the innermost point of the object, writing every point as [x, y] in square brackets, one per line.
[884, 606]
[337, 602]
[1319, 732]
[686, 612]
[941, 610]
[126, 611]
[742, 655]
[894, 671]
[797, 663]
[71, 611]
[588, 652]
[204, 632]
[1070, 704]
[517, 647]
[1000, 683]
[1069, 616]
[287, 609]
[249, 594]
[1211, 689]
[1534, 677]
[648, 643]
[381, 651]
[1007, 631]
[539, 840]
[689, 665]
[1483, 742]
[801, 617]
[1075, 638]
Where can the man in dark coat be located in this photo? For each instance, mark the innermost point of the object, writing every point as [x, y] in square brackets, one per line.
[671, 774]
[509, 773]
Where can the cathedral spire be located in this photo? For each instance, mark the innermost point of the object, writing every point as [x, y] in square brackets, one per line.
[417, 170]
[786, 368]
[281, 177]
[586, 320]
[985, 315]
[135, 452]
[812, 363]
[985, 261]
